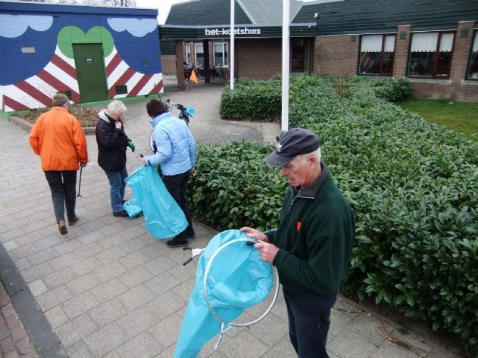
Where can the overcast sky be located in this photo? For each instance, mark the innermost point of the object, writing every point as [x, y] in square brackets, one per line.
[163, 7]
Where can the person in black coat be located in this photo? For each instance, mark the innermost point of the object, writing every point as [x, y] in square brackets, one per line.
[112, 144]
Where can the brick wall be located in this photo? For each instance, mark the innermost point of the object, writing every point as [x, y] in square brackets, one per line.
[258, 59]
[168, 65]
[336, 55]
[402, 45]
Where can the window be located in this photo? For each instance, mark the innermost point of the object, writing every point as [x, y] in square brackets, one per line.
[199, 54]
[188, 53]
[376, 54]
[220, 54]
[430, 54]
[472, 73]
[297, 47]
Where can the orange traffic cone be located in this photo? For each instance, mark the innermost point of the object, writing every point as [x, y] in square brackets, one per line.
[193, 77]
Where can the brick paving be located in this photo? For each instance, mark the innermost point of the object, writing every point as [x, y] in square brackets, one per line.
[14, 342]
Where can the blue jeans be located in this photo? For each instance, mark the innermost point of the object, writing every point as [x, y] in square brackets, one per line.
[63, 193]
[117, 187]
[177, 186]
[309, 322]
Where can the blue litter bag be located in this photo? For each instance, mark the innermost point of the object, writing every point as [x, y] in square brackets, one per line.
[162, 215]
[132, 208]
[238, 279]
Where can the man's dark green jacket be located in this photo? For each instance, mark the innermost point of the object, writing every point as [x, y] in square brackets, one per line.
[315, 237]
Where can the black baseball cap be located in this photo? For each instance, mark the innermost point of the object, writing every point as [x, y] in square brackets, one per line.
[292, 143]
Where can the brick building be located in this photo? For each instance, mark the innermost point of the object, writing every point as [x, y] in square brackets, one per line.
[434, 43]
[89, 53]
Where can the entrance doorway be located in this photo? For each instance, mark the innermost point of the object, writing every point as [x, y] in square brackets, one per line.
[90, 72]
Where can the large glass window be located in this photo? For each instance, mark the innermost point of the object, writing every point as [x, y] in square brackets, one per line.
[220, 54]
[376, 54]
[188, 58]
[199, 54]
[472, 73]
[430, 54]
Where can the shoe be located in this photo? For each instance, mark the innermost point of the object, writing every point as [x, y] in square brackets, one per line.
[74, 221]
[121, 214]
[191, 237]
[173, 244]
[62, 227]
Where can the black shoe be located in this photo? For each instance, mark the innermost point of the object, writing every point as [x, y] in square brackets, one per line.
[121, 214]
[191, 237]
[173, 243]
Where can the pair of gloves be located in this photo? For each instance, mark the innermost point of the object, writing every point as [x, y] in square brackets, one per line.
[131, 145]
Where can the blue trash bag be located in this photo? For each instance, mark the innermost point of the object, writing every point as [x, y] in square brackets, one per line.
[162, 215]
[132, 208]
[237, 279]
[190, 111]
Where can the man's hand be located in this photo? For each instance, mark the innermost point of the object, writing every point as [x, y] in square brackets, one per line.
[131, 145]
[255, 234]
[83, 164]
[267, 251]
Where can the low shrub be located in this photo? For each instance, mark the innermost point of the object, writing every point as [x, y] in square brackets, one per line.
[259, 101]
[233, 188]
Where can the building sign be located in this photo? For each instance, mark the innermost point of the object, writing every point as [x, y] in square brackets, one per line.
[28, 49]
[227, 31]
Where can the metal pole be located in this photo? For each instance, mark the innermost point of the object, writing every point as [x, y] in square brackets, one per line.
[231, 53]
[285, 64]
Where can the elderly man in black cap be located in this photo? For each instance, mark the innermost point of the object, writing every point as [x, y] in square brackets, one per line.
[312, 245]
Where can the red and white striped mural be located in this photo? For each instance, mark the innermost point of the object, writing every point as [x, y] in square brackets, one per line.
[59, 75]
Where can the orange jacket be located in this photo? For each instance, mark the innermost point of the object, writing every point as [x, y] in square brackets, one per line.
[59, 140]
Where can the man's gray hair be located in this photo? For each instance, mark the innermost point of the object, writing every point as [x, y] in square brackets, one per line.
[116, 107]
[317, 153]
[60, 99]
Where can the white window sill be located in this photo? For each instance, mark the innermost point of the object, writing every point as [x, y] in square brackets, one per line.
[428, 80]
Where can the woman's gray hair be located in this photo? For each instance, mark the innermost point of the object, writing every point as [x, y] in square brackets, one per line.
[116, 107]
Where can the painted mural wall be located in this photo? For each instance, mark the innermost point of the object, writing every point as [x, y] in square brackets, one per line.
[38, 55]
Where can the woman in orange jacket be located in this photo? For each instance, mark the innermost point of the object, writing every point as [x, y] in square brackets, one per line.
[58, 138]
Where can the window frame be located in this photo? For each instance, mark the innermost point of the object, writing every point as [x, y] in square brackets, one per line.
[470, 59]
[187, 53]
[434, 74]
[196, 44]
[382, 56]
[225, 54]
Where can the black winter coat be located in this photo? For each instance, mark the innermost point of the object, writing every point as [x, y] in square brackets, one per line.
[112, 143]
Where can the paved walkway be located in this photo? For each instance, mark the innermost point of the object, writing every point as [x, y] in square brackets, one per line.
[107, 289]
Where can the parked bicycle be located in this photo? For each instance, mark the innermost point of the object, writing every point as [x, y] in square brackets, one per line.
[214, 74]
[187, 70]
[184, 113]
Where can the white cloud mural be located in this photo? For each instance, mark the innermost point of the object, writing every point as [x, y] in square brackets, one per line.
[16, 25]
[136, 27]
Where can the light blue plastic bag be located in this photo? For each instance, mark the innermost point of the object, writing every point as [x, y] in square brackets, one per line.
[238, 279]
[132, 208]
[163, 216]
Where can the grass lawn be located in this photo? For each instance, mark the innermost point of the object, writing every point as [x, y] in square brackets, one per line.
[461, 117]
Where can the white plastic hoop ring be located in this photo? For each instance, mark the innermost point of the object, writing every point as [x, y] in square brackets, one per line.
[206, 272]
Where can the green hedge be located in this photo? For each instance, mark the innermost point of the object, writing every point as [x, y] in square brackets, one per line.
[413, 187]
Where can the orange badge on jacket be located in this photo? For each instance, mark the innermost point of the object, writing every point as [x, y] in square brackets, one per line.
[298, 225]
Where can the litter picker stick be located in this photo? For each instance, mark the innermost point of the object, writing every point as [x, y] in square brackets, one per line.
[79, 185]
